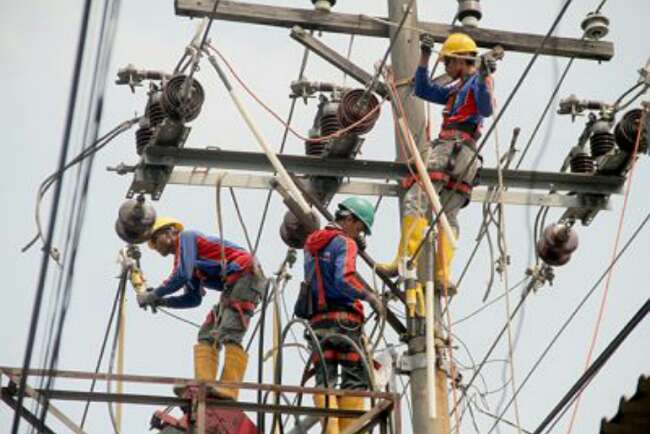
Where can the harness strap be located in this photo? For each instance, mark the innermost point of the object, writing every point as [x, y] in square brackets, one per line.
[336, 316]
[339, 356]
[242, 308]
[322, 303]
[437, 176]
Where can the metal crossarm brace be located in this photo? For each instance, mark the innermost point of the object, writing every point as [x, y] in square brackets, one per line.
[373, 169]
[335, 59]
[367, 26]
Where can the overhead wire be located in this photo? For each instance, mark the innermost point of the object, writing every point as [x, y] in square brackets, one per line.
[577, 309]
[619, 231]
[65, 145]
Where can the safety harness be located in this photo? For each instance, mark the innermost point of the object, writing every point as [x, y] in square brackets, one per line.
[242, 307]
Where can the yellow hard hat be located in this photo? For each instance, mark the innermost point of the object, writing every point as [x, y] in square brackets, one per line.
[458, 44]
[162, 223]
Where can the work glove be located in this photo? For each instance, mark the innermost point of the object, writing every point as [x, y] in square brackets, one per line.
[426, 43]
[488, 65]
[377, 304]
[151, 299]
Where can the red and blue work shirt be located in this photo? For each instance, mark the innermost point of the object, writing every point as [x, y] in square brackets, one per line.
[337, 256]
[467, 101]
[202, 261]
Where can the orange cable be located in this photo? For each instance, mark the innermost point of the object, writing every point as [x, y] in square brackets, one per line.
[603, 302]
[279, 118]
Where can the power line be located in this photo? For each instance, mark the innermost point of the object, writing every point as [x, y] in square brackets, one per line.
[575, 311]
[585, 379]
[65, 145]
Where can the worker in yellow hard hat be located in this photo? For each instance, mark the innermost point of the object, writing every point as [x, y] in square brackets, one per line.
[208, 262]
[452, 164]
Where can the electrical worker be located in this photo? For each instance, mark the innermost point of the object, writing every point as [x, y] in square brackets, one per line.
[336, 294]
[208, 262]
[451, 157]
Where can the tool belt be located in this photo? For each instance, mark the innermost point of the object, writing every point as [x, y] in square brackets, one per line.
[337, 316]
[439, 176]
[337, 356]
[464, 131]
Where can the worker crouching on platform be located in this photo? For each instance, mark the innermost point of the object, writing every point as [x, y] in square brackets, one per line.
[208, 262]
[451, 157]
[336, 295]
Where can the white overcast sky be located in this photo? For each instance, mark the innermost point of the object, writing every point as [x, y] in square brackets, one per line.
[38, 42]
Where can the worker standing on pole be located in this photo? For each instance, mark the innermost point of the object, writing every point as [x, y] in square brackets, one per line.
[207, 262]
[336, 294]
[451, 158]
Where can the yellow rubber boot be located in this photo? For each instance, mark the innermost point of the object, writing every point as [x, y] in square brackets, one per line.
[205, 366]
[413, 231]
[332, 422]
[205, 362]
[444, 257]
[234, 367]
[350, 403]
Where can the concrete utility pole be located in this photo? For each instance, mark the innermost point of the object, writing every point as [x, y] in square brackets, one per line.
[404, 59]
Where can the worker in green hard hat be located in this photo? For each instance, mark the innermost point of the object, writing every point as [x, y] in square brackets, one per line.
[335, 294]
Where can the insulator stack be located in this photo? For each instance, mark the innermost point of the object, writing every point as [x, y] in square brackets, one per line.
[176, 104]
[355, 105]
[582, 163]
[135, 220]
[627, 130]
[469, 12]
[315, 149]
[323, 5]
[595, 26]
[557, 243]
[602, 143]
[154, 111]
[329, 124]
[143, 136]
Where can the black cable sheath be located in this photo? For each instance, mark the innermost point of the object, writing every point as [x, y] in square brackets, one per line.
[595, 367]
[45, 260]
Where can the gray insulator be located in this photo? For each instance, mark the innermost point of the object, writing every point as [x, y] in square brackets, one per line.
[595, 26]
[557, 243]
[469, 12]
[135, 220]
[323, 5]
[293, 232]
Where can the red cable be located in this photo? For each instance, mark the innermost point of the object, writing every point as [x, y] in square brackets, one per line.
[603, 302]
[335, 134]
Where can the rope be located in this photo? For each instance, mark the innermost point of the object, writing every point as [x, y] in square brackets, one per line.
[619, 231]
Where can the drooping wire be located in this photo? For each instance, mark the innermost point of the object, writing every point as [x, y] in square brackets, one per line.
[577, 309]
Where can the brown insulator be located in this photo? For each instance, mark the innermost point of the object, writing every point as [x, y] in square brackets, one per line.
[143, 136]
[557, 243]
[293, 232]
[582, 163]
[627, 130]
[315, 149]
[177, 104]
[601, 143]
[154, 111]
[355, 105]
[135, 220]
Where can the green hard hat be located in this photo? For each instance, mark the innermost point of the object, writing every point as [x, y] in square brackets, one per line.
[361, 209]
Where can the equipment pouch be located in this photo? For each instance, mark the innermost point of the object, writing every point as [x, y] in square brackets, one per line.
[304, 307]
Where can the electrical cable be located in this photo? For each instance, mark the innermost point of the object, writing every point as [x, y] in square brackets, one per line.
[36, 310]
[585, 379]
[54, 177]
[122, 283]
[619, 231]
[582, 302]
[111, 360]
